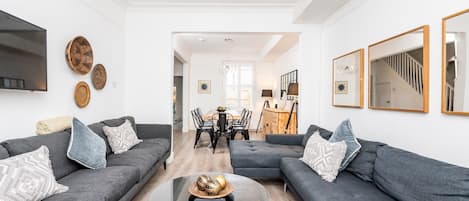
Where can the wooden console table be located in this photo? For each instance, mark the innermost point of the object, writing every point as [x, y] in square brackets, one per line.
[274, 121]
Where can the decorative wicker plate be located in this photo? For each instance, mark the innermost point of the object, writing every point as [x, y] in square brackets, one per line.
[99, 76]
[79, 55]
[82, 94]
[202, 194]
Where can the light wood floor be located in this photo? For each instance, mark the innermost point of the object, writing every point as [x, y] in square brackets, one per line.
[189, 161]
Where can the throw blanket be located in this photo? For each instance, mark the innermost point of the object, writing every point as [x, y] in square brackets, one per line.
[53, 125]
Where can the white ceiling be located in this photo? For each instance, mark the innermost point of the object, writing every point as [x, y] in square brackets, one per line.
[215, 2]
[263, 46]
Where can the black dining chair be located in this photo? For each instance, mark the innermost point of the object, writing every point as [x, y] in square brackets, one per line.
[200, 117]
[243, 127]
[223, 128]
[201, 128]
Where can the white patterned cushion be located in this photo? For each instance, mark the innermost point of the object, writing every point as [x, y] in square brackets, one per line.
[121, 138]
[323, 156]
[28, 177]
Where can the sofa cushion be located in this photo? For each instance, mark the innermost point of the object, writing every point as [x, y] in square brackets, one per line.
[363, 164]
[98, 129]
[77, 196]
[410, 177]
[86, 147]
[109, 183]
[57, 143]
[311, 187]
[326, 134]
[121, 138]
[143, 156]
[258, 154]
[3, 152]
[120, 121]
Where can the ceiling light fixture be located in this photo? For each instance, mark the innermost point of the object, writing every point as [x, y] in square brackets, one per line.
[202, 39]
[229, 40]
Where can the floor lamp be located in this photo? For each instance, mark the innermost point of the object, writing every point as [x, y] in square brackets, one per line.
[266, 94]
[293, 91]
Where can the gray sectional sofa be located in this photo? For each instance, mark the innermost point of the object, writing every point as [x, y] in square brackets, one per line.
[125, 173]
[378, 173]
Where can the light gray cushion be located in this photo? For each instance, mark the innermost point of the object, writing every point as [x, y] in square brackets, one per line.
[86, 147]
[121, 138]
[363, 164]
[326, 134]
[143, 156]
[311, 187]
[107, 184]
[259, 154]
[344, 133]
[410, 177]
[324, 157]
[29, 177]
[57, 143]
[3, 152]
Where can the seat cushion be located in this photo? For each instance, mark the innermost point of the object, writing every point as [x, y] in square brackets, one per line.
[363, 164]
[108, 184]
[311, 187]
[57, 143]
[410, 177]
[143, 156]
[259, 154]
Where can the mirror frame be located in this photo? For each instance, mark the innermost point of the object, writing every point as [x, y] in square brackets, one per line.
[443, 64]
[362, 72]
[426, 65]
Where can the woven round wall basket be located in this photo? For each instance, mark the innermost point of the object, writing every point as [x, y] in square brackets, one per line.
[99, 77]
[79, 55]
[82, 94]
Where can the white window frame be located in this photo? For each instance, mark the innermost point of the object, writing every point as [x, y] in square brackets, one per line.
[251, 86]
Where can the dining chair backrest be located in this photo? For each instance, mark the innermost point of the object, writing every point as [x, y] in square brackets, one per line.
[199, 115]
[197, 123]
[247, 119]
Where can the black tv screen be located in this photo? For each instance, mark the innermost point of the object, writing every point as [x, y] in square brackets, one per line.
[23, 54]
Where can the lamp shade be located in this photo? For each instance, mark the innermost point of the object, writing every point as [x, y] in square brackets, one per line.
[293, 89]
[266, 93]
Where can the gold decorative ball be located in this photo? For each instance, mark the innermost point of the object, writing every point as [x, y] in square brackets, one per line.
[202, 182]
[221, 180]
[213, 188]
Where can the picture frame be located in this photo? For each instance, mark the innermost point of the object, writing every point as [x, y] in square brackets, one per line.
[348, 80]
[204, 87]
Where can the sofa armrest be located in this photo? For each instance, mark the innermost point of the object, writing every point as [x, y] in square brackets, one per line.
[146, 131]
[284, 139]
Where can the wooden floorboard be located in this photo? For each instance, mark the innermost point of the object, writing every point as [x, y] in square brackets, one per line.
[189, 161]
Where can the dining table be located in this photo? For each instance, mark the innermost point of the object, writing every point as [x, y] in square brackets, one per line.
[209, 116]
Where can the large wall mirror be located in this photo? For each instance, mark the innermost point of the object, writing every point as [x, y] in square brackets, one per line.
[455, 82]
[347, 79]
[398, 72]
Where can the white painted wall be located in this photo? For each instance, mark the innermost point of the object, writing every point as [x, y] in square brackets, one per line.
[360, 23]
[285, 63]
[103, 26]
[149, 54]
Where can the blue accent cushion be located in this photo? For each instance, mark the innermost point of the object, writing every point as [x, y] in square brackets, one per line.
[344, 133]
[86, 147]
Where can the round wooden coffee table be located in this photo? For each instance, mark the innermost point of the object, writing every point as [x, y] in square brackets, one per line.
[245, 189]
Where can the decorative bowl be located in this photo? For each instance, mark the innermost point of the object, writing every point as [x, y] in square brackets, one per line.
[194, 190]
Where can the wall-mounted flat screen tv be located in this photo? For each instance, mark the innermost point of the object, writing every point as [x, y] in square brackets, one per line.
[23, 54]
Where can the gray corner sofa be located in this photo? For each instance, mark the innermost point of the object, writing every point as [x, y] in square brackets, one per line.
[378, 173]
[125, 173]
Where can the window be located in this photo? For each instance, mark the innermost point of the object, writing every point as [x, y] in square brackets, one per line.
[239, 85]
